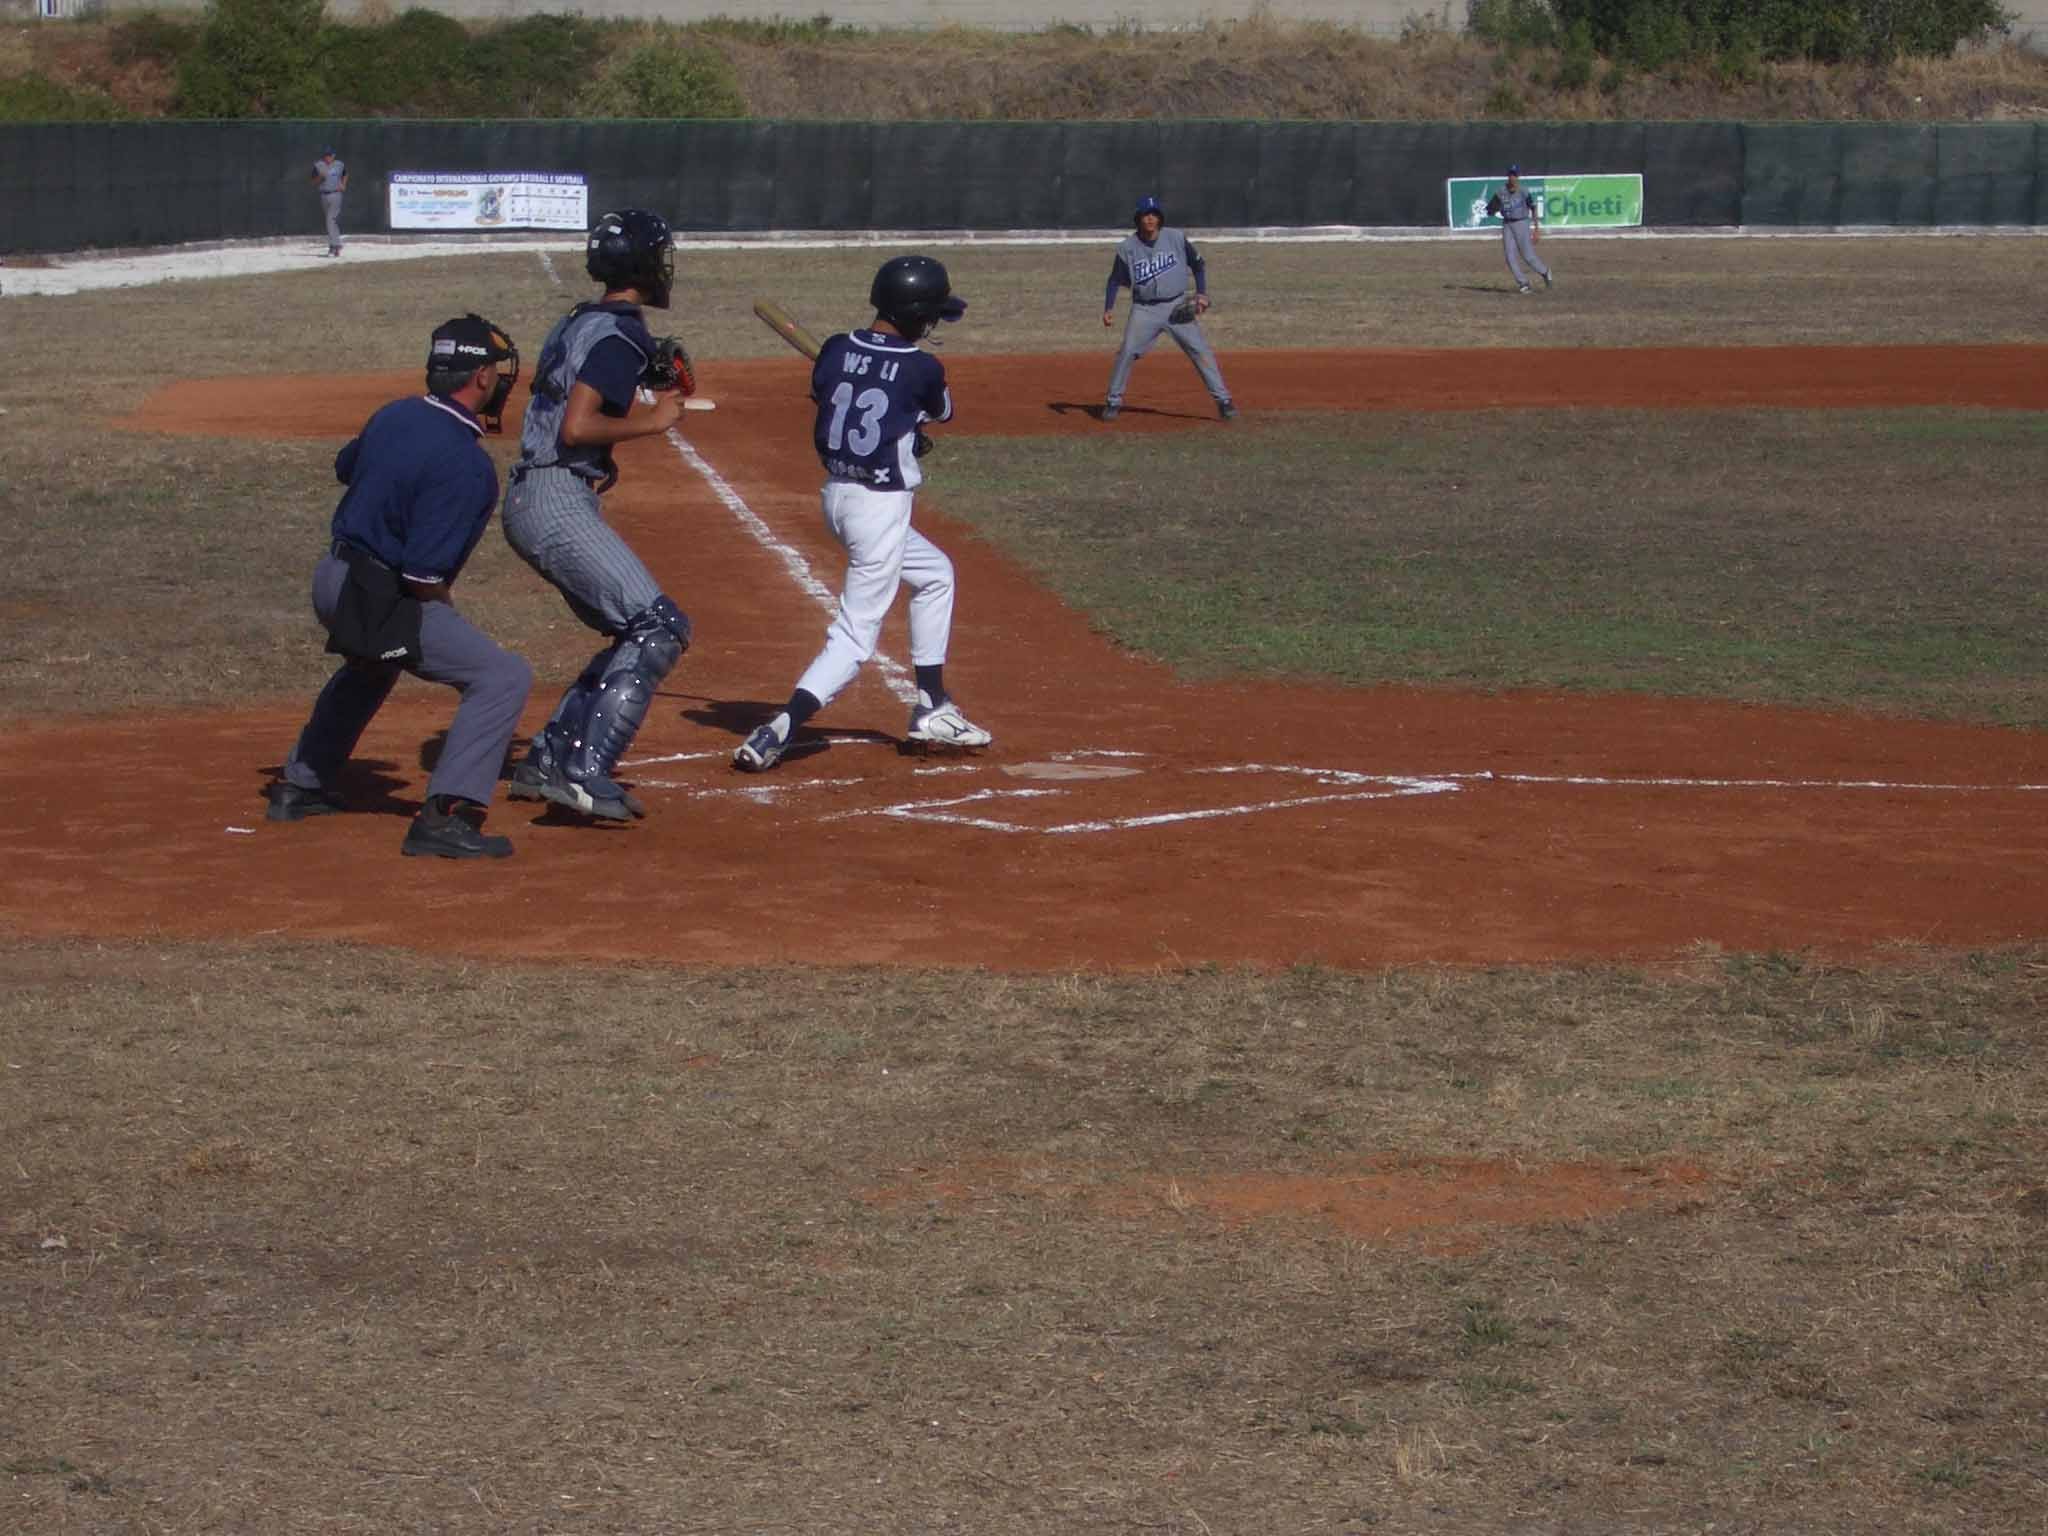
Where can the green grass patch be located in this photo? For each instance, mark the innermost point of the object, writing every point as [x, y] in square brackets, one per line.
[1882, 561]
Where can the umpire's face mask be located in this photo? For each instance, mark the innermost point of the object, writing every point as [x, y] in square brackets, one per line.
[492, 412]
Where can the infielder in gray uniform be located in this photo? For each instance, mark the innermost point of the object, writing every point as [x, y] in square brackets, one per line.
[330, 179]
[585, 388]
[1519, 230]
[1169, 292]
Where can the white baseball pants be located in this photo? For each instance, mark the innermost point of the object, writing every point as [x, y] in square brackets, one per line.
[882, 551]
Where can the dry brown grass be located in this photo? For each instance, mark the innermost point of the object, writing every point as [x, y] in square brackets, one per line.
[319, 1238]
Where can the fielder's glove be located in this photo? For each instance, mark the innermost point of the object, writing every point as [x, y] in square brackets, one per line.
[670, 368]
[1181, 314]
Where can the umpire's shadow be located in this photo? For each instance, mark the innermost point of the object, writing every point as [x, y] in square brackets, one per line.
[738, 717]
[369, 786]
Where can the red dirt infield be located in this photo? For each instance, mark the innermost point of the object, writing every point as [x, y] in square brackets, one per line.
[1124, 820]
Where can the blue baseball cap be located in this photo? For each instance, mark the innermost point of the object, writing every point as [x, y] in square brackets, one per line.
[1514, 170]
[1147, 204]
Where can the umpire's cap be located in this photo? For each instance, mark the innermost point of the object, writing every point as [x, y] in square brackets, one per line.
[1148, 204]
[464, 345]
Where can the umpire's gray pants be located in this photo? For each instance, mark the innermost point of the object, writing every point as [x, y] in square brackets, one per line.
[330, 204]
[493, 683]
[1142, 328]
[1521, 251]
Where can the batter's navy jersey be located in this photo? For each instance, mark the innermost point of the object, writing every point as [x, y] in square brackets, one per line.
[420, 487]
[872, 390]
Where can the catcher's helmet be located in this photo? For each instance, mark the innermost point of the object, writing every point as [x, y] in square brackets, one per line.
[1148, 204]
[633, 249]
[914, 294]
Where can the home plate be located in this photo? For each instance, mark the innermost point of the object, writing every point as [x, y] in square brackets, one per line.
[1068, 771]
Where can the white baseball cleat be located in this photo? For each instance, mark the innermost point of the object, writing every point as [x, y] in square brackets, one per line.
[761, 750]
[943, 725]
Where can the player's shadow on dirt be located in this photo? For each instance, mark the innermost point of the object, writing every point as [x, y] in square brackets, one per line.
[738, 717]
[366, 785]
[1093, 409]
[1493, 288]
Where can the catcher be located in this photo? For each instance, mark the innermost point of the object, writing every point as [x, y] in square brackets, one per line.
[602, 380]
[1158, 264]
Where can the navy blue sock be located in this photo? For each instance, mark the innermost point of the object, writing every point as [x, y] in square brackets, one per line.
[932, 680]
[801, 706]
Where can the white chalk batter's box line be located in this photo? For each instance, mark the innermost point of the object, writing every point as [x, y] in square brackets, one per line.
[981, 809]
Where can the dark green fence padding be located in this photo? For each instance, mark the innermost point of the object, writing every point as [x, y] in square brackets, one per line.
[79, 186]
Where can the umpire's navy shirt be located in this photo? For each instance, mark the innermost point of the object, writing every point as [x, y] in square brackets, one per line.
[420, 488]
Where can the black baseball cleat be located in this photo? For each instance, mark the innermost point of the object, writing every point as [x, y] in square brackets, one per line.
[289, 802]
[604, 798]
[1109, 412]
[1226, 410]
[444, 835]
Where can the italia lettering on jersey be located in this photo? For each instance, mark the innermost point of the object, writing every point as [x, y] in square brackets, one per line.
[872, 390]
[1149, 267]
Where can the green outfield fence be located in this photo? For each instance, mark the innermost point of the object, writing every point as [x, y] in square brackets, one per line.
[76, 186]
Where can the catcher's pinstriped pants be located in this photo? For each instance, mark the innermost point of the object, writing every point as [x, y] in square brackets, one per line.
[882, 550]
[493, 683]
[552, 519]
[1142, 328]
[1520, 249]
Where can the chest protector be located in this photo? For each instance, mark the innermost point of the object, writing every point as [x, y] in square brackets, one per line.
[562, 356]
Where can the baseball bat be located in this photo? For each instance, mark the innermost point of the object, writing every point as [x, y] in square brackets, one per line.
[777, 319]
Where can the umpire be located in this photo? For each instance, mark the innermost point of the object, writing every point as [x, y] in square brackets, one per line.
[420, 494]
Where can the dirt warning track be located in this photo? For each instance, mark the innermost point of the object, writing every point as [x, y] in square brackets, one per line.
[1124, 820]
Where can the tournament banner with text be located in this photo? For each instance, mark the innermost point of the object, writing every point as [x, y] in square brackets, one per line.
[489, 200]
[1562, 202]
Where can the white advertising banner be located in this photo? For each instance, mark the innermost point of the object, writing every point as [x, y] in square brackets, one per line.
[489, 200]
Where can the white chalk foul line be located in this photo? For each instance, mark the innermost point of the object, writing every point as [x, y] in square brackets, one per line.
[799, 569]
[1654, 781]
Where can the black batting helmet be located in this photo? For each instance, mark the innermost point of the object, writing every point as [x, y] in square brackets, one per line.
[914, 294]
[633, 249]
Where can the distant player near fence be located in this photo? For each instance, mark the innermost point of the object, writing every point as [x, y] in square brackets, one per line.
[1520, 229]
[330, 180]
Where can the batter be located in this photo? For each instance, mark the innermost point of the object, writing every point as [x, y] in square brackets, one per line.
[874, 389]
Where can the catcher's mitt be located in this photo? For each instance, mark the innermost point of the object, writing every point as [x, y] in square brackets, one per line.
[670, 368]
[1181, 314]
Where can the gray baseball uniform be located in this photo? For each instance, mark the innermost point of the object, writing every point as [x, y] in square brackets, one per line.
[1517, 210]
[329, 177]
[1160, 273]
